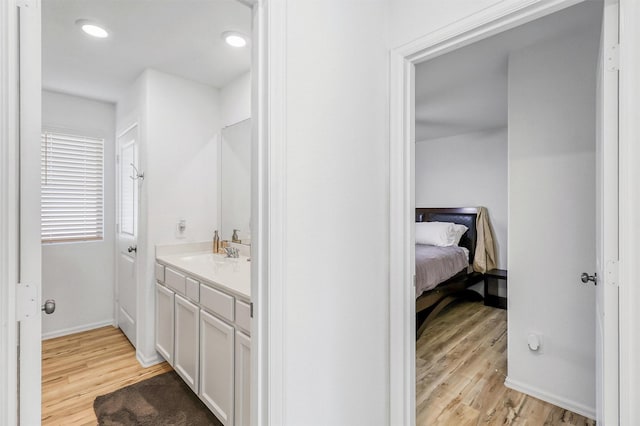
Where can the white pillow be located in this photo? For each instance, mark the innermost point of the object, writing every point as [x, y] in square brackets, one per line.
[443, 234]
[458, 231]
[435, 233]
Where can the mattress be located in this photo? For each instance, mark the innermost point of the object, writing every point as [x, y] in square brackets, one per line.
[435, 265]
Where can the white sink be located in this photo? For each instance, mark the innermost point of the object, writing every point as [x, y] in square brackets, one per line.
[233, 274]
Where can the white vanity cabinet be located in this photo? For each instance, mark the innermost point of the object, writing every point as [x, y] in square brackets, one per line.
[164, 322]
[202, 330]
[217, 369]
[186, 350]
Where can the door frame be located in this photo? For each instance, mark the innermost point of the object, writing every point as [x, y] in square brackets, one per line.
[629, 225]
[267, 212]
[490, 21]
[20, 249]
[267, 197]
[29, 238]
[607, 218]
[9, 219]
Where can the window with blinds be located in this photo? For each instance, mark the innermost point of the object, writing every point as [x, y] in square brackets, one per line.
[72, 188]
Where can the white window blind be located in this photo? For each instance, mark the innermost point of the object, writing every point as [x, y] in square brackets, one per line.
[72, 188]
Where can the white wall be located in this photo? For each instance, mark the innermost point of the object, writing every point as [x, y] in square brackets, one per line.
[179, 129]
[411, 19]
[552, 219]
[132, 106]
[80, 276]
[183, 124]
[235, 100]
[466, 170]
[335, 309]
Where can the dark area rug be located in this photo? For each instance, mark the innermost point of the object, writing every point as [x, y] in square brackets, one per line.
[161, 400]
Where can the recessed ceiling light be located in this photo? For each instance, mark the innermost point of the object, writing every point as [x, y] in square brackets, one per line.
[92, 28]
[234, 39]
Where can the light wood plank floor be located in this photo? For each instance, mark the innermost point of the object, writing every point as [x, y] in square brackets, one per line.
[79, 367]
[461, 363]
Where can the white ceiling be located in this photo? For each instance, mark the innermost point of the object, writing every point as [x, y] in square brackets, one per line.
[179, 37]
[466, 90]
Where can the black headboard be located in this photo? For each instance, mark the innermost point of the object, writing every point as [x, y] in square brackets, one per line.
[462, 215]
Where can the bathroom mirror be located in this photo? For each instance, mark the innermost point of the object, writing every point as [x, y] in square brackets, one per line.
[235, 181]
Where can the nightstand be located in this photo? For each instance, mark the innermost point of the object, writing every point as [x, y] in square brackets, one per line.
[491, 280]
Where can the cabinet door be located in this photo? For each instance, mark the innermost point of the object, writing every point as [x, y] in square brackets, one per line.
[243, 380]
[186, 353]
[164, 322]
[216, 371]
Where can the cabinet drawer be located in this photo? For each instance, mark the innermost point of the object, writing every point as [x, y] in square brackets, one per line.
[243, 316]
[175, 280]
[216, 302]
[193, 290]
[159, 273]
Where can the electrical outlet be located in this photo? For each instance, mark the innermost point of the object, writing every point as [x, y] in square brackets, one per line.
[534, 342]
[181, 228]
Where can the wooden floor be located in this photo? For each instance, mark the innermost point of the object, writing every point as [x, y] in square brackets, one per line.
[461, 362]
[79, 367]
[460, 371]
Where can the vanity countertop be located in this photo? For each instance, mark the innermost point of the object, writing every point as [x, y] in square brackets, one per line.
[232, 275]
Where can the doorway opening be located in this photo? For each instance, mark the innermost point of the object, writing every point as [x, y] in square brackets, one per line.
[493, 129]
[157, 90]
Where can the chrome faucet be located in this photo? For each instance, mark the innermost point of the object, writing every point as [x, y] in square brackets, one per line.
[232, 252]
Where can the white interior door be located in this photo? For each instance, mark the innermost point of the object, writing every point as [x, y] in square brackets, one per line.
[607, 376]
[127, 231]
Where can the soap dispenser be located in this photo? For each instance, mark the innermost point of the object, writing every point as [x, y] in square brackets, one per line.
[234, 237]
[216, 242]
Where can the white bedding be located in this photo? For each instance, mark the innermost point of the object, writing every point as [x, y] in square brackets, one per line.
[435, 265]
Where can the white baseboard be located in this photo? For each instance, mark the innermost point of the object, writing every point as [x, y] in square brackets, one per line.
[149, 361]
[77, 329]
[576, 407]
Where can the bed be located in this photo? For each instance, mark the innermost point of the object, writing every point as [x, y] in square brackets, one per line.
[433, 293]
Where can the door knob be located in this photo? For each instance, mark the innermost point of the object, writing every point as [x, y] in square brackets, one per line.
[585, 278]
[49, 306]
[132, 248]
